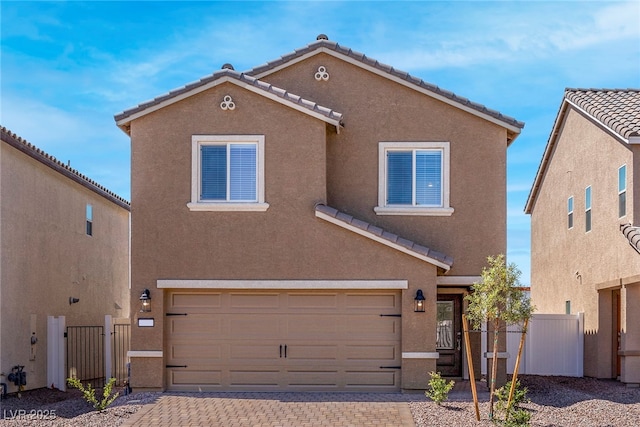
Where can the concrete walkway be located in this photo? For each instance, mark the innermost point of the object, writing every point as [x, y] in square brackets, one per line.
[285, 409]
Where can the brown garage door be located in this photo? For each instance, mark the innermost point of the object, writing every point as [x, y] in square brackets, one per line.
[283, 340]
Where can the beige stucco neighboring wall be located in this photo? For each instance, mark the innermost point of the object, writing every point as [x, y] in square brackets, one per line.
[47, 257]
[572, 264]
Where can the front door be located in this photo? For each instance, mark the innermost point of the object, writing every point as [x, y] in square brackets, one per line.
[449, 335]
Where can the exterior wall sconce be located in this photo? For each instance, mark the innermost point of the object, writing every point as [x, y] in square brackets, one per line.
[419, 302]
[73, 300]
[145, 299]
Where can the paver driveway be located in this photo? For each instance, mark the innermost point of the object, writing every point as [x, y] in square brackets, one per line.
[277, 409]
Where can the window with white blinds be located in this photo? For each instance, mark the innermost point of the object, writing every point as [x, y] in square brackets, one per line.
[414, 179]
[228, 172]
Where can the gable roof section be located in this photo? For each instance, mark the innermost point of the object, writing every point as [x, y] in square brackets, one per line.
[37, 154]
[322, 45]
[616, 111]
[372, 232]
[243, 80]
[632, 234]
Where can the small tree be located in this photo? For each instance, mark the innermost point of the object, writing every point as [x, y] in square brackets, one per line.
[497, 299]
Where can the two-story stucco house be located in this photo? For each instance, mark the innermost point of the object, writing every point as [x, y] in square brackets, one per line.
[300, 225]
[584, 207]
[64, 241]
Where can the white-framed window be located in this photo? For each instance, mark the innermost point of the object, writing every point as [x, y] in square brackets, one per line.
[413, 178]
[570, 212]
[587, 209]
[622, 191]
[227, 173]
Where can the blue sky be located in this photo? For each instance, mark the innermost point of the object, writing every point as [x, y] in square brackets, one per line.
[68, 67]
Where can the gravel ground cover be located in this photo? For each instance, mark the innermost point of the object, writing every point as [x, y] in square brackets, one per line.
[555, 401]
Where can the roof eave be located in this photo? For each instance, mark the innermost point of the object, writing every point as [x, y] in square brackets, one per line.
[125, 119]
[513, 129]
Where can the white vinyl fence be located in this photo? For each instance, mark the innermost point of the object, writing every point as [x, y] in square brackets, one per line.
[554, 345]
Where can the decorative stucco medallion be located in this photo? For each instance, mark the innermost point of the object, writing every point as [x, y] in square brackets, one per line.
[322, 74]
[227, 103]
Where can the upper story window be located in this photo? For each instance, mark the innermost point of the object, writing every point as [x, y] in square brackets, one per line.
[587, 209]
[622, 191]
[413, 178]
[89, 219]
[227, 173]
[570, 212]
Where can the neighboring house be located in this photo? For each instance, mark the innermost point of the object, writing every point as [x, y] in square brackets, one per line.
[585, 209]
[62, 236]
[287, 220]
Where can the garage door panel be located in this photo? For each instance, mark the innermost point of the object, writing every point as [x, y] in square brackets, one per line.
[368, 327]
[195, 325]
[193, 302]
[194, 352]
[372, 352]
[303, 326]
[181, 377]
[309, 352]
[253, 326]
[372, 378]
[312, 301]
[335, 340]
[372, 301]
[244, 351]
[254, 301]
[313, 378]
[254, 377]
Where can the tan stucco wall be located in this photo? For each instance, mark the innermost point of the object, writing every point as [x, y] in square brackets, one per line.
[375, 110]
[584, 155]
[306, 162]
[47, 258]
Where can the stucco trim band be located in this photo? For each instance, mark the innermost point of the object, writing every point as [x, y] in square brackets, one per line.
[281, 284]
[416, 355]
[458, 280]
[144, 353]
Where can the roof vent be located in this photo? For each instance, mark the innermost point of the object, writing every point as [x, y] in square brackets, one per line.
[228, 66]
[322, 37]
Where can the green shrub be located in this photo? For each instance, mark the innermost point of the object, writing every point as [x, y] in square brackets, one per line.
[439, 388]
[89, 393]
[514, 416]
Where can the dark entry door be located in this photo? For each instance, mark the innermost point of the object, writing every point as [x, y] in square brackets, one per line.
[449, 335]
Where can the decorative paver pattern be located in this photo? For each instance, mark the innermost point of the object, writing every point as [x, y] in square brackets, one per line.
[278, 409]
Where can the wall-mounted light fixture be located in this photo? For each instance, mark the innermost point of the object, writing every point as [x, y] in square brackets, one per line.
[73, 300]
[419, 302]
[145, 299]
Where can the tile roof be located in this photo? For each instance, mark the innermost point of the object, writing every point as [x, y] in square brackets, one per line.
[382, 236]
[34, 152]
[245, 80]
[617, 110]
[632, 234]
[331, 46]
